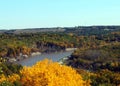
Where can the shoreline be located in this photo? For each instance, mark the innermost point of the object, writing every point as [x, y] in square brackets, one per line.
[44, 53]
[34, 54]
[55, 57]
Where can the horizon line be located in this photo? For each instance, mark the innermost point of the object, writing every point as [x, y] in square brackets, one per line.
[58, 27]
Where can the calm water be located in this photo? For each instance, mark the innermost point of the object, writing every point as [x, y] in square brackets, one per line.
[53, 56]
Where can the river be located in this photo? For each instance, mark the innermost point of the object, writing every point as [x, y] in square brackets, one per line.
[52, 56]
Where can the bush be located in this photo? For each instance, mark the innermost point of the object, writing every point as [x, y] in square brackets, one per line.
[48, 73]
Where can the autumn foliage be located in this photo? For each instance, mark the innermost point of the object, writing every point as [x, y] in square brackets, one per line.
[47, 73]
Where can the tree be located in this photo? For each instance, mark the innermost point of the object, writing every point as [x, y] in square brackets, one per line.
[48, 73]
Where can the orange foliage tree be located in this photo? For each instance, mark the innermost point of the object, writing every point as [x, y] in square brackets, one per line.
[48, 73]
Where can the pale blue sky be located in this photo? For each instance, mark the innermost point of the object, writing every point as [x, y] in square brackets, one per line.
[18, 14]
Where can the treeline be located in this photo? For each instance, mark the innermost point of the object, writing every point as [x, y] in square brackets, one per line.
[11, 45]
[101, 57]
[92, 30]
[104, 57]
[79, 30]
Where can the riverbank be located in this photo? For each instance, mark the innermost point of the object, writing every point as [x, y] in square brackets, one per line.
[33, 54]
[56, 56]
[23, 56]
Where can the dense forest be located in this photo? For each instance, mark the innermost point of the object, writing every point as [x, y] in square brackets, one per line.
[96, 61]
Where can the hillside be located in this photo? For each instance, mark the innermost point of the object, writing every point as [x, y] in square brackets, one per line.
[80, 30]
[97, 58]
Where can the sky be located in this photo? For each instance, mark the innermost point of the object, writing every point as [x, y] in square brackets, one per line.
[20, 14]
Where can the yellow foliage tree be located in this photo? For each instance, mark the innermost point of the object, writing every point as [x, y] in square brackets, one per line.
[48, 73]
